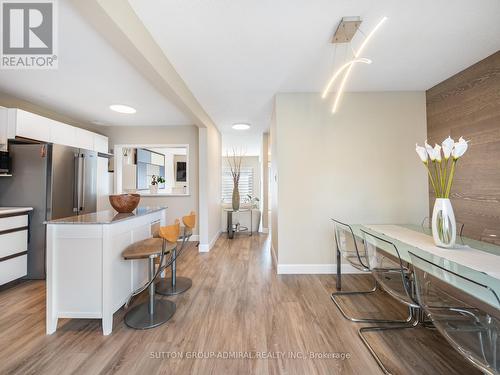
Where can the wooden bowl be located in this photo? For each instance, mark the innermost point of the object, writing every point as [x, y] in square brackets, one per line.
[124, 203]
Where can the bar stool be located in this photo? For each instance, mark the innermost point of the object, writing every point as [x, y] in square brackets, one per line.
[175, 285]
[154, 312]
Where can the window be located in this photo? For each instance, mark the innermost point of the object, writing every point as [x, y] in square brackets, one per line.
[245, 187]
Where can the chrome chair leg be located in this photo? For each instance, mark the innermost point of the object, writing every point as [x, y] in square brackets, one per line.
[173, 285]
[416, 320]
[363, 320]
[152, 313]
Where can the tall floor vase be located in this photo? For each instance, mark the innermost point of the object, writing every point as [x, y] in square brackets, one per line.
[444, 225]
[236, 198]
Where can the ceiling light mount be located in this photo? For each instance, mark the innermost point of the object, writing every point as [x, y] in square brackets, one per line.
[346, 29]
[241, 126]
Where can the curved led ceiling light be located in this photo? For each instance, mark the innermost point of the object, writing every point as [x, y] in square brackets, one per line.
[340, 70]
[349, 68]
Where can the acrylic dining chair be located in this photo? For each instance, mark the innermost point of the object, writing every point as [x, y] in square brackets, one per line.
[395, 277]
[464, 311]
[354, 254]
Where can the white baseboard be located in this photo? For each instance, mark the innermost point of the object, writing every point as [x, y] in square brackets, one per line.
[194, 237]
[205, 248]
[314, 269]
[265, 230]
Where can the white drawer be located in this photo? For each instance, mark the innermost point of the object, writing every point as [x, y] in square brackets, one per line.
[13, 269]
[13, 243]
[13, 222]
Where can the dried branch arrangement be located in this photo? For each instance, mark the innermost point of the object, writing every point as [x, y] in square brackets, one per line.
[234, 160]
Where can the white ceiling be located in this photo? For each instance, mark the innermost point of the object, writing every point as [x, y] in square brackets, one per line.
[91, 76]
[236, 54]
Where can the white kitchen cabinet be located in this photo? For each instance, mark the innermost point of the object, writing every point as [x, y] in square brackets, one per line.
[63, 134]
[101, 143]
[13, 244]
[28, 125]
[84, 139]
[10, 222]
[13, 269]
[20, 123]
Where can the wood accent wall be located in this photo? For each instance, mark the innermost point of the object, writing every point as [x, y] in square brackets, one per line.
[468, 105]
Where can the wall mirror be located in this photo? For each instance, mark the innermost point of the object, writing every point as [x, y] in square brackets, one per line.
[152, 170]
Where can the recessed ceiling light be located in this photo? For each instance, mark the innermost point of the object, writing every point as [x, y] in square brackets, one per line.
[122, 108]
[241, 126]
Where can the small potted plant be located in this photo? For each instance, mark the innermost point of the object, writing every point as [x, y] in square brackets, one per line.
[155, 181]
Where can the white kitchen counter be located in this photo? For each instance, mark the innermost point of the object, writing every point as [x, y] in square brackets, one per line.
[106, 216]
[14, 210]
[87, 276]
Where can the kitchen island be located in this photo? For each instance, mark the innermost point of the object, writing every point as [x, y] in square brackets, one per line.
[86, 274]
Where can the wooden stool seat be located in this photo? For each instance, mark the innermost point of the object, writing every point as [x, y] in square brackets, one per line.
[189, 223]
[150, 247]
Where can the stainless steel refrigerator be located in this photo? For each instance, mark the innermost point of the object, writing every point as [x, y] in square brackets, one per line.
[57, 181]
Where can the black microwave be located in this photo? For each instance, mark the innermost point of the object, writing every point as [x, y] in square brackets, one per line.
[5, 163]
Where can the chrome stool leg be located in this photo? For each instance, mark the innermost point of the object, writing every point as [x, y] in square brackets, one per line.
[152, 313]
[363, 320]
[173, 285]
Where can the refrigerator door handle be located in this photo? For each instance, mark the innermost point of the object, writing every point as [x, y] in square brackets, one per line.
[76, 187]
[83, 182]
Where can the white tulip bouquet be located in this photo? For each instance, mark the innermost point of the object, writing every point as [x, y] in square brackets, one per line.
[438, 165]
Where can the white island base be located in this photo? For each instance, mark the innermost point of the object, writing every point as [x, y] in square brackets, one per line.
[86, 274]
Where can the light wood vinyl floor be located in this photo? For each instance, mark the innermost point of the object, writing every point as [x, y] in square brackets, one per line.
[237, 305]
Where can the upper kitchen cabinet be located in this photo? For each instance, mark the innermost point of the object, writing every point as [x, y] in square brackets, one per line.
[100, 143]
[28, 125]
[63, 134]
[84, 139]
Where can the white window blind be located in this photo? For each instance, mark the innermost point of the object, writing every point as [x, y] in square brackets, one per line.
[245, 187]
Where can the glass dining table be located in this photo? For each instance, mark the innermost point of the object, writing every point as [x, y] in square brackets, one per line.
[475, 260]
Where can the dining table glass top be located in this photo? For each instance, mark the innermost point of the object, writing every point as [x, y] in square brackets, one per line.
[466, 266]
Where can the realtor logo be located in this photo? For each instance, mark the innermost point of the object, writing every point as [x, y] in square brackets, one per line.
[28, 35]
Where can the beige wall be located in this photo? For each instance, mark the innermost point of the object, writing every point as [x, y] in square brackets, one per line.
[358, 165]
[177, 206]
[273, 183]
[265, 182]
[210, 164]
